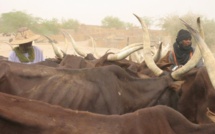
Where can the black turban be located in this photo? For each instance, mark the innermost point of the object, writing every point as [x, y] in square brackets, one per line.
[182, 35]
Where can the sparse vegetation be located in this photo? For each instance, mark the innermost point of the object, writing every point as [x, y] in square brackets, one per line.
[172, 24]
[11, 21]
[112, 22]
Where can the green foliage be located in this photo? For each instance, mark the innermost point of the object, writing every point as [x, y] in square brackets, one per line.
[112, 22]
[129, 25]
[147, 20]
[70, 24]
[172, 24]
[48, 27]
[10, 22]
[209, 30]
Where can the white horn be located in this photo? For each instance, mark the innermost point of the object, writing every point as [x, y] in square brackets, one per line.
[123, 54]
[209, 59]
[147, 50]
[95, 53]
[192, 62]
[56, 49]
[81, 53]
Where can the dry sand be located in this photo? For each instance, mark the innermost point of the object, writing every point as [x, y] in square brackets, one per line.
[48, 50]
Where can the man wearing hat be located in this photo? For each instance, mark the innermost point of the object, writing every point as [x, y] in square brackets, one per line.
[25, 52]
[182, 50]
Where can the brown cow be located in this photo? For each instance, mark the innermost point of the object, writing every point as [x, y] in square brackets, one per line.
[3, 58]
[106, 90]
[76, 62]
[197, 94]
[23, 116]
[134, 69]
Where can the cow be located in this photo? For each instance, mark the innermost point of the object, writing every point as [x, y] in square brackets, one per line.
[24, 116]
[196, 95]
[105, 90]
[88, 60]
[3, 58]
[76, 62]
[133, 68]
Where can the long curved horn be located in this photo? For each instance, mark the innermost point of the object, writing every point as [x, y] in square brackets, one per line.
[123, 54]
[131, 45]
[165, 50]
[148, 58]
[193, 61]
[81, 53]
[95, 53]
[209, 59]
[201, 31]
[158, 54]
[56, 49]
[66, 43]
[147, 50]
[137, 57]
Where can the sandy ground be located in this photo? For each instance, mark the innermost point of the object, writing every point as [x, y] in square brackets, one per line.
[48, 50]
[84, 46]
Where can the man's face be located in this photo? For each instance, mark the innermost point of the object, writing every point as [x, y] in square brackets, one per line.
[24, 47]
[186, 42]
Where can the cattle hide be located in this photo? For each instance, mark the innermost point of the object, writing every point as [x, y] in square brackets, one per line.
[197, 94]
[3, 58]
[76, 62]
[23, 116]
[134, 69]
[105, 90]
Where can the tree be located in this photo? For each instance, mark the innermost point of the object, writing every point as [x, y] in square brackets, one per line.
[11, 21]
[48, 27]
[172, 24]
[112, 22]
[70, 24]
[128, 25]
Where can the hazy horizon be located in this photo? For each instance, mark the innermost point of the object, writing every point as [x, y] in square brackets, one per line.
[92, 12]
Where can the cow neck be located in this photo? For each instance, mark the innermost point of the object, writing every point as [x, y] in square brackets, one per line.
[145, 92]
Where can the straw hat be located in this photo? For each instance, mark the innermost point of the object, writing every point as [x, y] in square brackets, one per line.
[24, 35]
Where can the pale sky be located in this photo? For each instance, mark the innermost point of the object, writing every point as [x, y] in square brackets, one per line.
[93, 11]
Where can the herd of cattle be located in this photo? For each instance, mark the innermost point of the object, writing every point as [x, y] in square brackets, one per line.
[78, 95]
